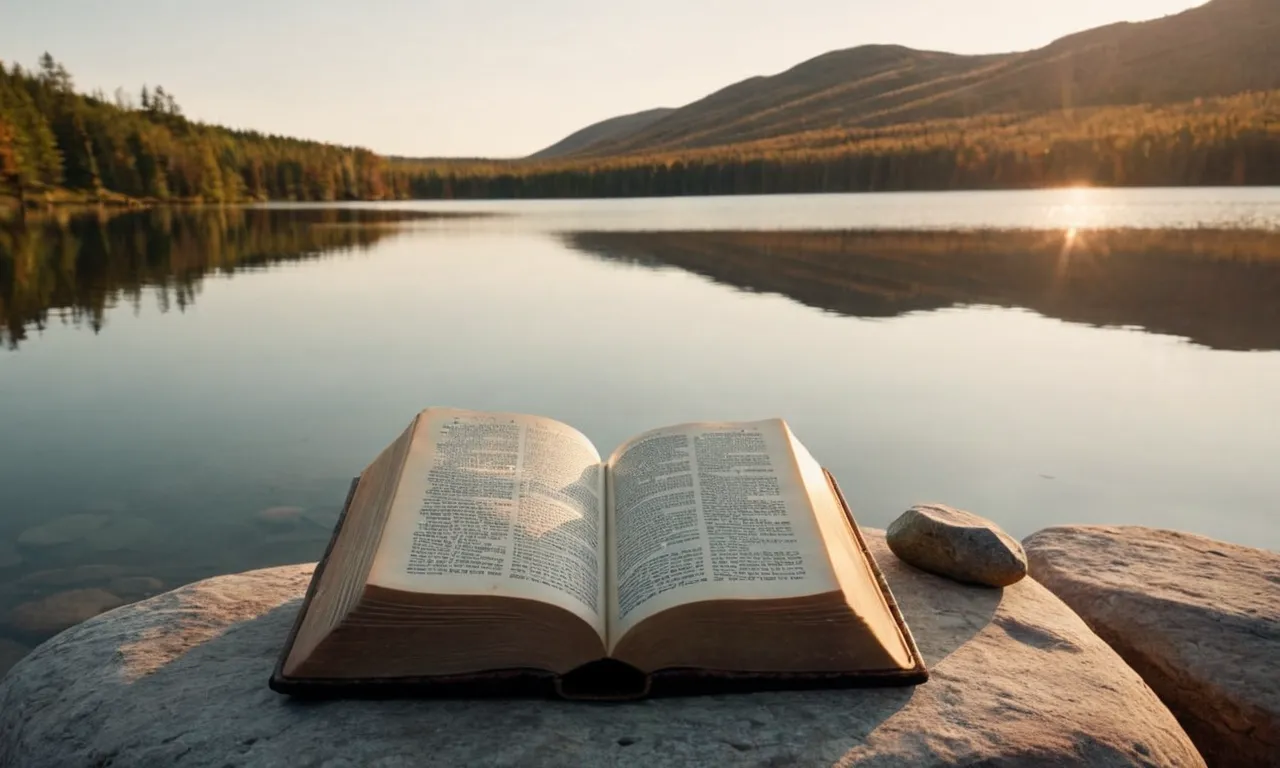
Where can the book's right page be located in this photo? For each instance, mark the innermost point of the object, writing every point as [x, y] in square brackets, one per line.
[854, 572]
[709, 511]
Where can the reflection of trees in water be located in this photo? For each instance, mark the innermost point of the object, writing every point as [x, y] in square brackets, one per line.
[1218, 288]
[77, 266]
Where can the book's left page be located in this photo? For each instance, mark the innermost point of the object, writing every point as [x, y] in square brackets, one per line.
[498, 505]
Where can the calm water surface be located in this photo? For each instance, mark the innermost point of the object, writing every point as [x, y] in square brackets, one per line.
[1071, 356]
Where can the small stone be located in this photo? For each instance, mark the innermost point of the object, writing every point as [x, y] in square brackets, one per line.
[957, 544]
[62, 610]
[62, 530]
[136, 586]
[10, 653]
[9, 555]
[73, 577]
[280, 516]
[122, 533]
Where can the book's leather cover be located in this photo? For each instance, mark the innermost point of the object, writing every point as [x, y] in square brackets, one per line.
[604, 680]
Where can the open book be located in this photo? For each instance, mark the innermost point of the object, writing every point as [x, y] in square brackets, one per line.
[497, 552]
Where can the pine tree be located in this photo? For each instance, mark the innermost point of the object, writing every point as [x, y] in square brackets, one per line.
[211, 188]
[10, 176]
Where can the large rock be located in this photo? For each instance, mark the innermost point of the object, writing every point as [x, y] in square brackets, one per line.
[1018, 680]
[1199, 620]
[957, 544]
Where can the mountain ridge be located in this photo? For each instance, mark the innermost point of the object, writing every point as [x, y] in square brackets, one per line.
[604, 130]
[1219, 48]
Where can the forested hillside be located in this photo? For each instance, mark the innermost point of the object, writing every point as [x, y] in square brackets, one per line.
[1218, 142]
[142, 146]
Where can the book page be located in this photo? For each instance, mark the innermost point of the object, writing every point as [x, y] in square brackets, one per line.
[498, 504]
[709, 511]
[852, 570]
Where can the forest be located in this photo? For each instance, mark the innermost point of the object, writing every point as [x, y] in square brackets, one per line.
[1211, 142]
[54, 141]
[52, 138]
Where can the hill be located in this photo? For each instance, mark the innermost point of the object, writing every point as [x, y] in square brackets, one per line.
[1221, 48]
[613, 129]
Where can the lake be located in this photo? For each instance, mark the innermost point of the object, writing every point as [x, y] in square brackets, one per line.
[185, 393]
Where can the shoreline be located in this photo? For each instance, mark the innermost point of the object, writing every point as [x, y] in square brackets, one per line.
[55, 198]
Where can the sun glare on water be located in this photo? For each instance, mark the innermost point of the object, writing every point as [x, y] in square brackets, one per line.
[1077, 208]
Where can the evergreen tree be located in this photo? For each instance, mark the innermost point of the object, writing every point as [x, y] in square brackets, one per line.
[211, 189]
[10, 177]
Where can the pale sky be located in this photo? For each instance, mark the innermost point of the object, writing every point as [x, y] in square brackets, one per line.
[490, 78]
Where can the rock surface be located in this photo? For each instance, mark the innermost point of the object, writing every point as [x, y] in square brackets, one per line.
[59, 611]
[1017, 680]
[122, 533]
[1199, 620]
[957, 544]
[73, 577]
[62, 530]
[10, 653]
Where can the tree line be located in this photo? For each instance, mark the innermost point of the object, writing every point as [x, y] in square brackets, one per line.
[1212, 142]
[53, 138]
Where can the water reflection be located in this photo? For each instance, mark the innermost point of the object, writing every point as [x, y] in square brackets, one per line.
[1217, 288]
[175, 447]
[77, 265]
